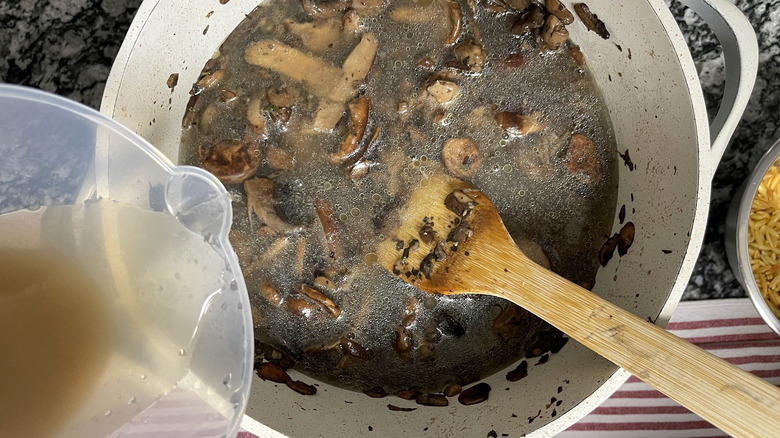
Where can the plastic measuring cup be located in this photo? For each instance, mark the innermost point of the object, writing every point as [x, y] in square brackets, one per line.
[154, 237]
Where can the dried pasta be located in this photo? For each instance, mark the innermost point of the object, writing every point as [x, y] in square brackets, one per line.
[763, 236]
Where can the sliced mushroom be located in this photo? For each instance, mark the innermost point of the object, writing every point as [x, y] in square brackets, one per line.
[422, 12]
[206, 120]
[554, 33]
[270, 293]
[456, 17]
[472, 55]
[323, 300]
[230, 160]
[517, 124]
[254, 115]
[403, 344]
[318, 35]
[350, 23]
[259, 195]
[443, 91]
[531, 19]
[591, 20]
[461, 157]
[318, 76]
[581, 161]
[360, 60]
[210, 80]
[350, 150]
[352, 348]
[558, 9]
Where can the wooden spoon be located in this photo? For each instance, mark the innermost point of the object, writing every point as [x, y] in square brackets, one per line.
[488, 262]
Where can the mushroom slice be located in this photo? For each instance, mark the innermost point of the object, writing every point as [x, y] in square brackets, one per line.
[350, 23]
[581, 160]
[517, 124]
[319, 35]
[443, 91]
[328, 220]
[320, 77]
[472, 55]
[323, 300]
[270, 293]
[554, 33]
[456, 15]
[461, 156]
[230, 160]
[557, 8]
[259, 200]
[591, 20]
[350, 150]
[254, 115]
[532, 18]
[360, 60]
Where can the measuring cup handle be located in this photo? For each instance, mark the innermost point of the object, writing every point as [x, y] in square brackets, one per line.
[740, 51]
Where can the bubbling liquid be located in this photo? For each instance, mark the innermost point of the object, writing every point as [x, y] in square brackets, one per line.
[363, 328]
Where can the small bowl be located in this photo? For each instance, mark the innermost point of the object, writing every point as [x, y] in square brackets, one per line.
[736, 236]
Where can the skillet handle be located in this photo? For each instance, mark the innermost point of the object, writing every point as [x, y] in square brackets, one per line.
[740, 50]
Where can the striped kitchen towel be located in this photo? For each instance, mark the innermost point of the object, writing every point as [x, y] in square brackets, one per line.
[731, 329]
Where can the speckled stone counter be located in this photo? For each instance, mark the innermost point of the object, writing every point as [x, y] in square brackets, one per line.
[67, 47]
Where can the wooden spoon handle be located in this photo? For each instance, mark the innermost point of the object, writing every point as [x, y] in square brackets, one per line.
[733, 400]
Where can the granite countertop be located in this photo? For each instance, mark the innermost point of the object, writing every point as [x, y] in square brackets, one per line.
[67, 47]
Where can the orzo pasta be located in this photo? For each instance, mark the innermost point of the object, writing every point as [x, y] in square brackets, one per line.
[763, 237]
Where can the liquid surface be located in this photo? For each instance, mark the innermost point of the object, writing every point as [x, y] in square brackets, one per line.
[55, 340]
[320, 155]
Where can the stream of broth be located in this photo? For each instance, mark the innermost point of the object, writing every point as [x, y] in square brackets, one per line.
[450, 339]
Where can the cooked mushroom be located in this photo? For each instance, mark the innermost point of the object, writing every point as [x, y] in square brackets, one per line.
[403, 344]
[323, 300]
[456, 16]
[461, 156]
[591, 20]
[230, 160]
[554, 33]
[581, 161]
[517, 124]
[558, 9]
[472, 55]
[270, 293]
[532, 18]
[254, 115]
[350, 23]
[318, 35]
[329, 227]
[259, 200]
[350, 150]
[443, 91]
[334, 86]
[423, 12]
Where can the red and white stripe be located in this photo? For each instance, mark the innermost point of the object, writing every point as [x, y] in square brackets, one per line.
[730, 329]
